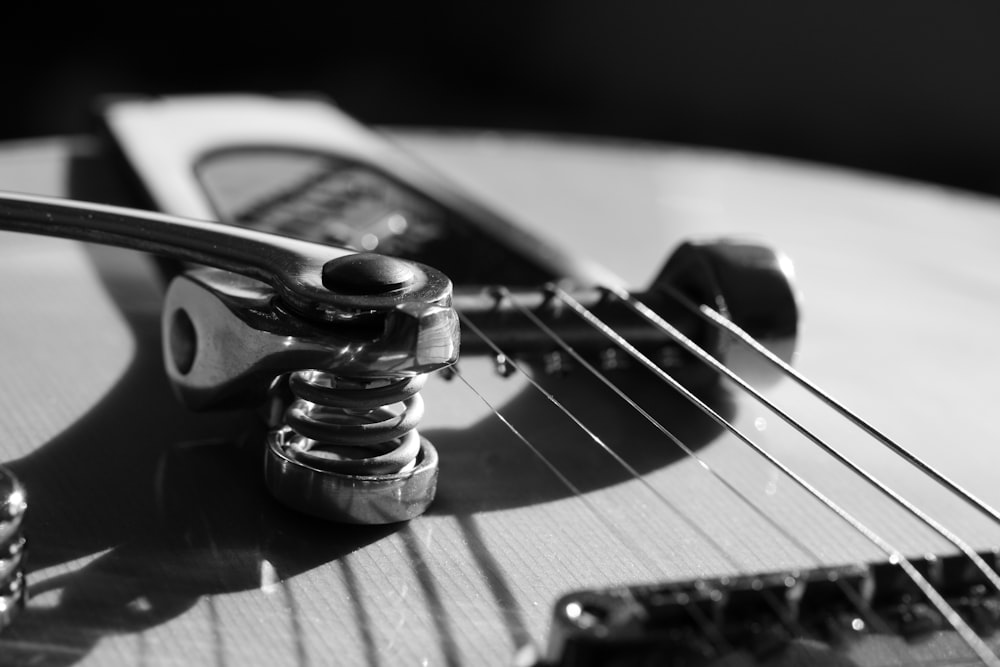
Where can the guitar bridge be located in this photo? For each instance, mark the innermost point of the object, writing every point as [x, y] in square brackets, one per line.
[838, 611]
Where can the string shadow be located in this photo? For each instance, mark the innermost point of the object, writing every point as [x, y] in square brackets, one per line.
[487, 467]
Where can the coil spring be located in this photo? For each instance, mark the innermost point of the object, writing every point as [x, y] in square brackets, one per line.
[354, 426]
[13, 588]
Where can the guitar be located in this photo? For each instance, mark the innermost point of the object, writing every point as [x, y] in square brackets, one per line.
[152, 540]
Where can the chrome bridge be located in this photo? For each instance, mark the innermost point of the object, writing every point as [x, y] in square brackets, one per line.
[822, 616]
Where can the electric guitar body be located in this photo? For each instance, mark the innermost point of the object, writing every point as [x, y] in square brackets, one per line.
[153, 542]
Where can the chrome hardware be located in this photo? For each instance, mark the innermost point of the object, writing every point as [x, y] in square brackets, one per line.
[354, 335]
[750, 283]
[351, 449]
[291, 267]
[13, 589]
[714, 620]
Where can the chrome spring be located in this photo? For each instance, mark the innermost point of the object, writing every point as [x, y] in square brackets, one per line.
[348, 449]
[352, 426]
[13, 588]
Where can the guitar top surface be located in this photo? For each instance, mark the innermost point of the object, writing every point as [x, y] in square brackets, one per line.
[154, 543]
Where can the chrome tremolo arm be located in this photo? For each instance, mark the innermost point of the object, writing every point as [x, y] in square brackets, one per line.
[344, 339]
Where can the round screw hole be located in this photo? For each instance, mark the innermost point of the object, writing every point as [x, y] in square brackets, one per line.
[183, 341]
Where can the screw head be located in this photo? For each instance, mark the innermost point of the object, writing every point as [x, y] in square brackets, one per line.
[366, 273]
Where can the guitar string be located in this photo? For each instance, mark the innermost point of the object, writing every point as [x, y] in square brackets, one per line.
[895, 557]
[716, 319]
[660, 323]
[710, 631]
[971, 638]
[793, 628]
[870, 616]
[867, 613]
[955, 620]
[726, 325]
[596, 439]
[635, 474]
[702, 355]
[715, 636]
[554, 469]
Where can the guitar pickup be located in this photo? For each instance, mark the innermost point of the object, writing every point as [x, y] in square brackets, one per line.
[833, 611]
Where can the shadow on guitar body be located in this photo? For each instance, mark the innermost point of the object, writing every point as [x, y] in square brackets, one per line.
[141, 508]
[487, 467]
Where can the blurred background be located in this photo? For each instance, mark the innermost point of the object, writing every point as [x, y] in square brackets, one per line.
[904, 88]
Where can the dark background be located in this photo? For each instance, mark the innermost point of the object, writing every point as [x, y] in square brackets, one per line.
[907, 88]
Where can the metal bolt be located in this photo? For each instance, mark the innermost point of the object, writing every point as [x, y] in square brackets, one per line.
[366, 273]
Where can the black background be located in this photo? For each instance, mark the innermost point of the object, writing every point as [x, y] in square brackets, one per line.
[906, 88]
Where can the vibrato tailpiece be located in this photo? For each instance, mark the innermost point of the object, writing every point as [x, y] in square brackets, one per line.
[336, 344]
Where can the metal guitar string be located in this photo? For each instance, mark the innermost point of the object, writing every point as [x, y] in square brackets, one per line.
[635, 474]
[630, 544]
[716, 319]
[869, 615]
[596, 439]
[896, 557]
[706, 626]
[863, 609]
[565, 481]
[650, 316]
